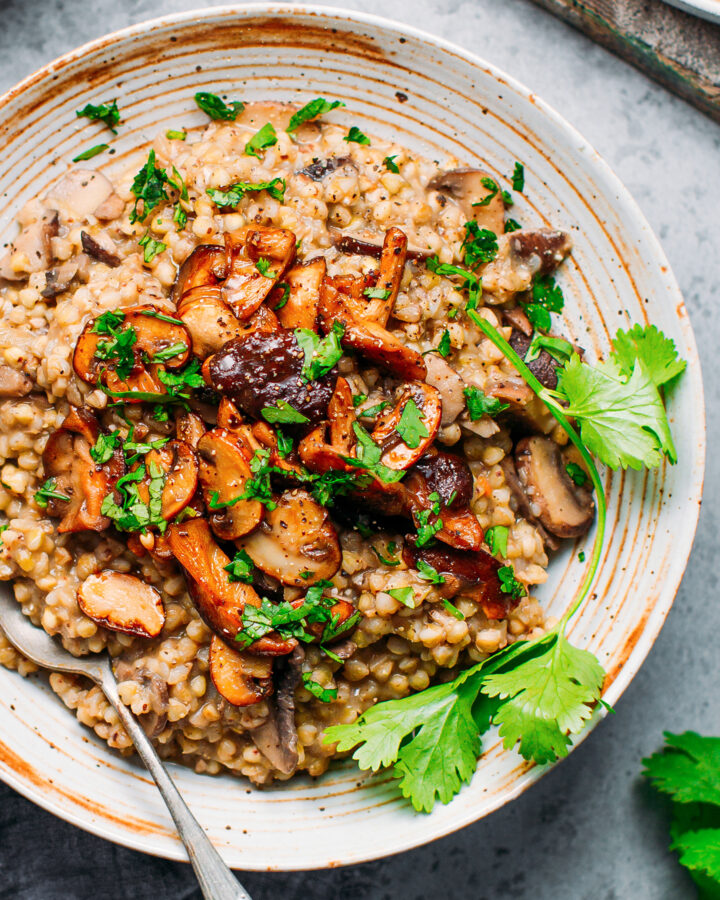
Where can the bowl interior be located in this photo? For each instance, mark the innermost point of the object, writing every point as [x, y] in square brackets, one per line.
[437, 100]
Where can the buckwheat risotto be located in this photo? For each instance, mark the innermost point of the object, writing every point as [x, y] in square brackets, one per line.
[255, 447]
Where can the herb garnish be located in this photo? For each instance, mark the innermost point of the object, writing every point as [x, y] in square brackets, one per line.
[321, 354]
[479, 404]
[355, 136]
[263, 266]
[480, 244]
[577, 473]
[317, 107]
[376, 293]
[560, 349]
[453, 610]
[104, 112]
[216, 108]
[105, 446]
[429, 573]
[151, 247]
[509, 583]
[404, 595]
[390, 164]
[410, 427]
[368, 457]
[240, 567]
[391, 547]
[518, 177]
[283, 414]
[266, 137]
[325, 695]
[148, 186]
[92, 151]
[512, 225]
[46, 492]
[176, 135]
[235, 193]
[497, 540]
[547, 297]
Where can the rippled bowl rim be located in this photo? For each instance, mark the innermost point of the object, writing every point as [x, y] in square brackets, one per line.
[525, 775]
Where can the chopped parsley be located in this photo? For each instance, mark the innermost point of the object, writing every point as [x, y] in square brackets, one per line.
[92, 151]
[285, 444]
[216, 108]
[240, 567]
[368, 457]
[330, 485]
[376, 293]
[321, 354]
[429, 573]
[285, 288]
[518, 177]
[404, 595]
[355, 136]
[119, 351]
[547, 297]
[359, 399]
[453, 610]
[410, 427]
[325, 695]
[170, 352]
[283, 414]
[560, 349]
[151, 247]
[259, 487]
[46, 492]
[493, 187]
[444, 347]
[371, 411]
[479, 404]
[148, 187]
[153, 314]
[497, 540]
[581, 556]
[509, 583]
[317, 107]
[577, 473]
[235, 193]
[426, 530]
[104, 447]
[386, 561]
[263, 266]
[512, 225]
[390, 164]
[480, 244]
[266, 137]
[176, 135]
[132, 513]
[104, 112]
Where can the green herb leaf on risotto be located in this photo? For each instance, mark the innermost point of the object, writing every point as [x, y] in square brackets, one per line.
[148, 187]
[216, 108]
[325, 695]
[479, 404]
[92, 151]
[105, 446]
[429, 573]
[283, 414]
[497, 540]
[104, 112]
[151, 247]
[386, 561]
[560, 349]
[411, 427]
[46, 492]
[509, 583]
[355, 136]
[235, 193]
[453, 610]
[264, 267]
[376, 293]
[321, 354]
[284, 288]
[261, 140]
[404, 595]
[391, 165]
[547, 297]
[317, 107]
[368, 457]
[240, 567]
[492, 186]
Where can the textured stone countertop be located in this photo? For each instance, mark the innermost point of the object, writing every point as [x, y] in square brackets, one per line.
[590, 830]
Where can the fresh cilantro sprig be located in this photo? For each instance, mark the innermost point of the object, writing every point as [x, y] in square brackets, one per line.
[547, 297]
[687, 770]
[656, 352]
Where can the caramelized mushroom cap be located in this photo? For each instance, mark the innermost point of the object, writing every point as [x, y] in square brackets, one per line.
[189, 428]
[177, 460]
[473, 575]
[206, 266]
[301, 308]
[296, 538]
[262, 369]
[246, 287]
[240, 677]
[392, 266]
[209, 320]
[219, 601]
[363, 246]
[122, 603]
[397, 453]
[224, 472]
[465, 186]
[562, 507]
[66, 459]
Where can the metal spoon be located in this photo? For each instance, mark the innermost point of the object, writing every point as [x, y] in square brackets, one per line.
[216, 880]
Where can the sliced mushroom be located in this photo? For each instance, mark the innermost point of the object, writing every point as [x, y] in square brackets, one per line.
[544, 367]
[473, 575]
[67, 461]
[240, 677]
[79, 194]
[521, 256]
[205, 267]
[209, 320]
[521, 502]
[153, 717]
[562, 507]
[220, 602]
[246, 286]
[392, 266]
[367, 337]
[398, 451]
[97, 251]
[366, 246]
[296, 543]
[465, 186]
[190, 428]
[277, 737]
[122, 603]
[300, 309]
[31, 251]
[442, 376]
[518, 321]
[258, 371]
[319, 169]
[224, 473]
[14, 383]
[177, 460]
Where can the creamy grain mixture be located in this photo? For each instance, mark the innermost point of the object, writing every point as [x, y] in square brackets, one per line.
[78, 255]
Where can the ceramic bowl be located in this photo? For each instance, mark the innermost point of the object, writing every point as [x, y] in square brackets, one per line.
[437, 99]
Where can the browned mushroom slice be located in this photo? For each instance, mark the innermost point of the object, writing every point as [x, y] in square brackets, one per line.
[97, 251]
[368, 337]
[190, 427]
[521, 502]
[296, 543]
[14, 383]
[258, 371]
[177, 461]
[404, 447]
[240, 677]
[565, 509]
[122, 603]
[341, 415]
[442, 376]
[521, 256]
[206, 266]
[544, 367]
[212, 324]
[224, 472]
[257, 258]
[473, 575]
[300, 309]
[31, 251]
[67, 461]
[392, 266]
[277, 737]
[470, 187]
[219, 601]
[364, 246]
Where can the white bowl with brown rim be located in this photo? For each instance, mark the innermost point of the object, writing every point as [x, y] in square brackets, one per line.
[439, 100]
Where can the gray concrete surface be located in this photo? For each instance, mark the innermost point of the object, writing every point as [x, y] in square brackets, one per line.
[590, 830]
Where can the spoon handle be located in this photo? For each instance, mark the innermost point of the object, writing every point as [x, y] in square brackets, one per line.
[216, 880]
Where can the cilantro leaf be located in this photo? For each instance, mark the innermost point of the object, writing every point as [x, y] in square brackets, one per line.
[46, 492]
[176, 135]
[453, 610]
[320, 354]
[240, 567]
[560, 349]
[317, 107]
[330, 485]
[264, 267]
[509, 583]
[622, 423]
[90, 152]
[404, 595]
[148, 187]
[391, 165]
[216, 108]
[104, 112]
[480, 244]
[151, 247]
[657, 353]
[497, 540]
[234, 194]
[479, 404]
[577, 473]
[550, 695]
[325, 695]
[426, 530]
[444, 347]
[266, 137]
[512, 225]
[283, 414]
[688, 768]
[375, 293]
[547, 297]
[518, 177]
[410, 427]
[355, 136]
[105, 446]
[369, 455]
[429, 573]
[492, 187]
